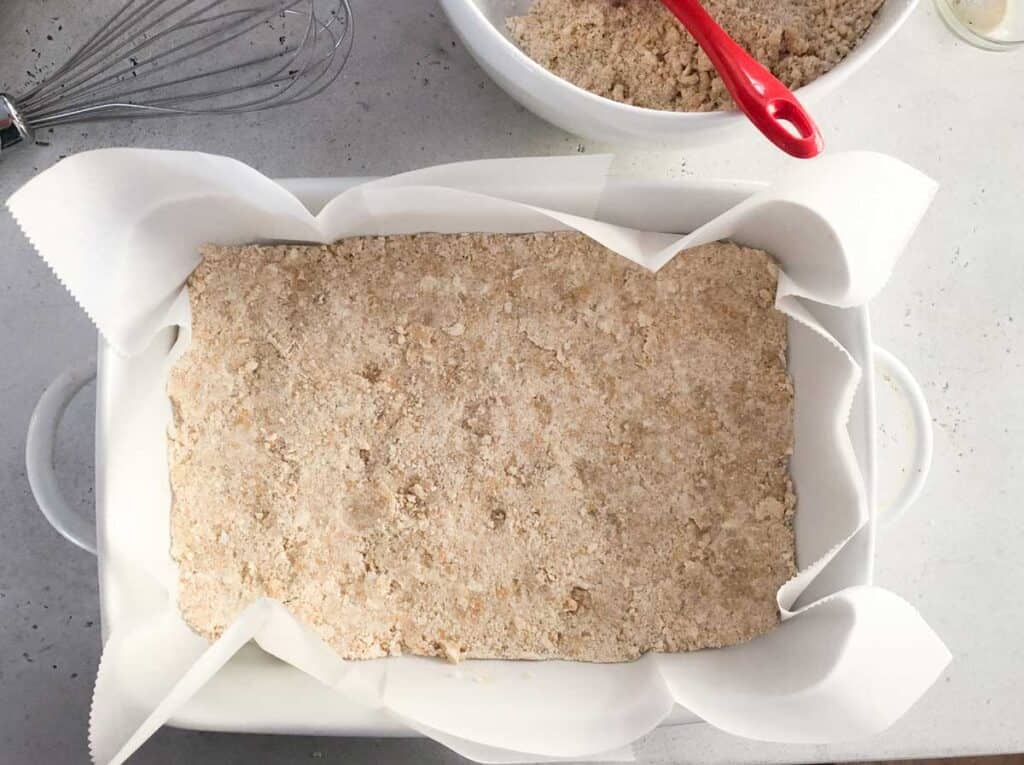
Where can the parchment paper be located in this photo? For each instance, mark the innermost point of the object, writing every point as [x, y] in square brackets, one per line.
[121, 228]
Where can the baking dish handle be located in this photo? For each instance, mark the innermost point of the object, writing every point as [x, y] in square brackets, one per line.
[42, 435]
[42, 432]
[922, 459]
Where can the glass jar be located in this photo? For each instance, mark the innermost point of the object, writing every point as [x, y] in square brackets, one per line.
[989, 24]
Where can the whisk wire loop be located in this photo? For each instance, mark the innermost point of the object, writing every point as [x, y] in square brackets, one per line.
[160, 57]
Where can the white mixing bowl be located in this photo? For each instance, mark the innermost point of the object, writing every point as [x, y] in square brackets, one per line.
[481, 26]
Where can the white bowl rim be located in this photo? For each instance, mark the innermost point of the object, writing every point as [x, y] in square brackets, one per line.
[850, 63]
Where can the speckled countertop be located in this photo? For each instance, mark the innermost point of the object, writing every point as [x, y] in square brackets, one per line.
[954, 312]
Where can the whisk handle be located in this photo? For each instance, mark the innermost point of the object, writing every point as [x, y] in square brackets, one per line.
[13, 127]
[9, 135]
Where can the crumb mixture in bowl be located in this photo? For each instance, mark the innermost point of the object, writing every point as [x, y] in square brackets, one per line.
[636, 52]
[485, 445]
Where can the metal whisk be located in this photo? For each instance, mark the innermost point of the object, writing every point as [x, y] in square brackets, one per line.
[161, 57]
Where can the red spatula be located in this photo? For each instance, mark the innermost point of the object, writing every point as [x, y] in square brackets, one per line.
[768, 103]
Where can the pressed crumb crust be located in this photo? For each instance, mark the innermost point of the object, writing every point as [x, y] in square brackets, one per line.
[485, 445]
[636, 52]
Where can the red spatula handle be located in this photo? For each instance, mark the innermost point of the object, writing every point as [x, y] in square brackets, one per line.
[767, 102]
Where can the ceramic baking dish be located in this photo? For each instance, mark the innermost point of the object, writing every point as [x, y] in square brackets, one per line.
[258, 693]
[481, 26]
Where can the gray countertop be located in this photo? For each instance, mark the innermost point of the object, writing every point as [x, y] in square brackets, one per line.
[954, 312]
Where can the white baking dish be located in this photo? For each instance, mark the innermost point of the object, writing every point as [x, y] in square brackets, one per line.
[481, 26]
[255, 692]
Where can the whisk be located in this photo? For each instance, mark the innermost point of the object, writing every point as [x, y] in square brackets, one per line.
[163, 57]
